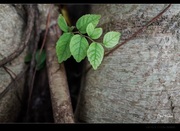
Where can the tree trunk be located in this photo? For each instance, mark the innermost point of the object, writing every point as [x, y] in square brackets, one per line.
[61, 103]
[138, 82]
[11, 32]
[59, 90]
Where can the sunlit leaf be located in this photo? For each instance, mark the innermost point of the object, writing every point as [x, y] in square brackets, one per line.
[78, 47]
[95, 54]
[111, 39]
[84, 20]
[62, 23]
[62, 47]
[93, 32]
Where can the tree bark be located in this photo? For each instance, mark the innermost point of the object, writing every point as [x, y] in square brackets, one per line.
[59, 90]
[61, 103]
[12, 30]
[138, 82]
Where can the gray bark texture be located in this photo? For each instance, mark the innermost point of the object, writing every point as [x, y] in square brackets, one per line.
[140, 81]
[11, 29]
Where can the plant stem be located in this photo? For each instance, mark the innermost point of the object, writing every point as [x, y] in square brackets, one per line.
[88, 38]
[77, 32]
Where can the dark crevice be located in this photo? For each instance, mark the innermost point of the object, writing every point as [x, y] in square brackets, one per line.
[41, 108]
[74, 74]
[171, 107]
[74, 70]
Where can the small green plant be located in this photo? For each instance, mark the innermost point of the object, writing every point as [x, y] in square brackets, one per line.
[39, 58]
[75, 43]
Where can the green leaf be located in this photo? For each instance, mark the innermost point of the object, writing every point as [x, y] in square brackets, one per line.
[39, 67]
[71, 28]
[62, 47]
[40, 59]
[62, 23]
[78, 47]
[111, 39]
[28, 58]
[95, 54]
[93, 32]
[83, 22]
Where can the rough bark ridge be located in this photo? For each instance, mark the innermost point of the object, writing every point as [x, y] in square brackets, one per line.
[139, 82]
